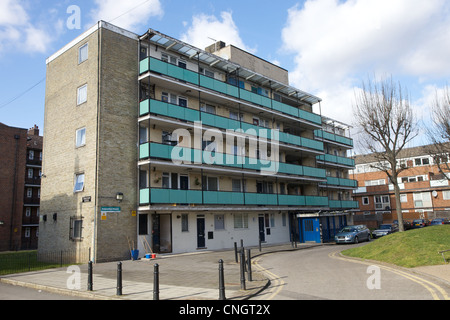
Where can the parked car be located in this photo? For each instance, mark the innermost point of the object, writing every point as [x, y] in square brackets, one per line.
[406, 224]
[385, 229]
[353, 234]
[439, 221]
[420, 223]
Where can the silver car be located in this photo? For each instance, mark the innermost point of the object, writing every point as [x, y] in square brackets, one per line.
[353, 234]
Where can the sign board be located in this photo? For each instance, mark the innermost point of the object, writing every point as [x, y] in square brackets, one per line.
[110, 210]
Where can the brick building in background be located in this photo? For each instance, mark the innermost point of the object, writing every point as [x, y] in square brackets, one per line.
[20, 163]
[424, 191]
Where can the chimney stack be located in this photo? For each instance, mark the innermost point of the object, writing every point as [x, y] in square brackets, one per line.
[34, 131]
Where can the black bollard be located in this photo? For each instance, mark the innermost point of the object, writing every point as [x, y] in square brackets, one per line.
[242, 270]
[119, 279]
[90, 282]
[156, 282]
[259, 245]
[249, 265]
[221, 281]
[236, 252]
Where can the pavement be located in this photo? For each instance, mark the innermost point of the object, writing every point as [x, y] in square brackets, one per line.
[189, 276]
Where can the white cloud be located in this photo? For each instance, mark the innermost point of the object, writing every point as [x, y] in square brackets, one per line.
[128, 14]
[16, 29]
[337, 44]
[205, 27]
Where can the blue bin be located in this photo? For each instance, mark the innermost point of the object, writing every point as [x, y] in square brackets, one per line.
[134, 254]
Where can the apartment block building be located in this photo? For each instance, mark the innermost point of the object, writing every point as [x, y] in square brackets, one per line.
[424, 190]
[152, 140]
[20, 165]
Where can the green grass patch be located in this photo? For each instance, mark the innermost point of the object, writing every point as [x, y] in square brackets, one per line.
[413, 248]
[25, 261]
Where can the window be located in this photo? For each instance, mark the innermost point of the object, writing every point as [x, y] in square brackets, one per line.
[382, 202]
[166, 180]
[446, 194]
[208, 108]
[207, 72]
[29, 193]
[31, 155]
[219, 222]
[76, 228]
[403, 198]
[28, 212]
[264, 187]
[82, 94]
[184, 222]
[210, 183]
[365, 201]
[30, 173]
[421, 161]
[236, 116]
[81, 137]
[79, 182]
[236, 185]
[143, 179]
[27, 232]
[240, 220]
[83, 53]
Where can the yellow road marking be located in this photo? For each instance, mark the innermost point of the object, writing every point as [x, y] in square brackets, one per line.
[276, 280]
[409, 276]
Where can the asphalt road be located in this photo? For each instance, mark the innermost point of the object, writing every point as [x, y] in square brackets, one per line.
[320, 273]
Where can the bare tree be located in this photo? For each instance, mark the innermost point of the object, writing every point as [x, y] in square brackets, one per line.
[384, 115]
[439, 132]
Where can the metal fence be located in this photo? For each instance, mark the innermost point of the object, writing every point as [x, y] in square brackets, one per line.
[25, 261]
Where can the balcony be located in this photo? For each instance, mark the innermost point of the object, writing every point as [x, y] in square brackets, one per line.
[198, 197]
[192, 115]
[343, 204]
[188, 76]
[340, 182]
[166, 152]
[331, 137]
[337, 160]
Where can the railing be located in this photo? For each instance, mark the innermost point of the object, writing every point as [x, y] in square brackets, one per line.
[333, 137]
[25, 261]
[163, 151]
[192, 115]
[225, 88]
[197, 197]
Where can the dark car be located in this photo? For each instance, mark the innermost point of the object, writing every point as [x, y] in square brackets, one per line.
[385, 229]
[353, 234]
[406, 224]
[439, 221]
[420, 223]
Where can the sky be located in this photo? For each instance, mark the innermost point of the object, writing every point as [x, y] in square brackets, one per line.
[328, 46]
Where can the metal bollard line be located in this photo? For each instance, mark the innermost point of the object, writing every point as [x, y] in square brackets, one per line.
[90, 281]
[119, 279]
[243, 270]
[221, 281]
[156, 282]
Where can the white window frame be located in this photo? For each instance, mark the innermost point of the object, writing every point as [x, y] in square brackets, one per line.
[80, 138]
[79, 182]
[365, 201]
[240, 220]
[83, 53]
[82, 94]
[446, 194]
[403, 198]
[30, 173]
[27, 212]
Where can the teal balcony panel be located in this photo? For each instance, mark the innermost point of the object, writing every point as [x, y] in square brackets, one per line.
[314, 172]
[255, 98]
[343, 204]
[144, 107]
[312, 144]
[169, 196]
[143, 66]
[333, 137]
[342, 182]
[261, 199]
[224, 198]
[144, 196]
[144, 151]
[309, 116]
[336, 159]
[291, 200]
[316, 201]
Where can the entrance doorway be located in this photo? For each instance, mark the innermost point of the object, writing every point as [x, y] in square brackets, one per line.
[310, 230]
[201, 242]
[262, 229]
[162, 233]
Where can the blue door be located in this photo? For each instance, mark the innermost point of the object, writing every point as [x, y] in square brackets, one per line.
[310, 230]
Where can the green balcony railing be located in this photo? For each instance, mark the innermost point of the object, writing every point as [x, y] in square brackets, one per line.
[336, 159]
[180, 154]
[171, 197]
[343, 204]
[342, 182]
[195, 78]
[333, 137]
[192, 115]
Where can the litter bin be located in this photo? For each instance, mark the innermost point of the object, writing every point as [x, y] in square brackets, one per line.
[134, 254]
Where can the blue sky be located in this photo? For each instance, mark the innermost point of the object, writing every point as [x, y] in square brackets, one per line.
[328, 46]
